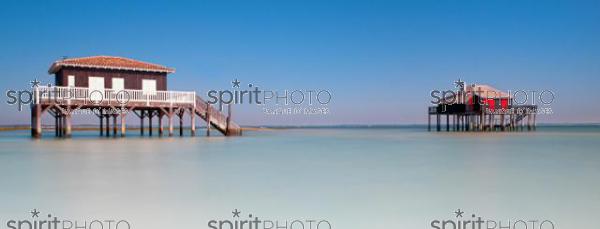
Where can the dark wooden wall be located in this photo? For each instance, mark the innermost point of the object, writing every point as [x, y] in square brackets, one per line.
[132, 79]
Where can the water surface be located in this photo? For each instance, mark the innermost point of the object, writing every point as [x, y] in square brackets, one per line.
[352, 177]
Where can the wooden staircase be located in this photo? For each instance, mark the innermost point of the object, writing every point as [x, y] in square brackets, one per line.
[218, 120]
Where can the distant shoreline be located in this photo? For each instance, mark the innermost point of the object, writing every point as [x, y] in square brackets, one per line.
[266, 128]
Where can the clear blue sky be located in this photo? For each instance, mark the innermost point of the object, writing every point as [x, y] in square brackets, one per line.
[379, 58]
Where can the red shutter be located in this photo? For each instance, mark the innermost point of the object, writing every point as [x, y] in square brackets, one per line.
[504, 103]
[491, 104]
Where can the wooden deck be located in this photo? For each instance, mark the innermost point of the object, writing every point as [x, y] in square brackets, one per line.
[62, 102]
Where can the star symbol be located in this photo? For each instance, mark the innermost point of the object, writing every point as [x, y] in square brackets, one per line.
[458, 213]
[236, 83]
[459, 84]
[34, 83]
[236, 213]
[35, 213]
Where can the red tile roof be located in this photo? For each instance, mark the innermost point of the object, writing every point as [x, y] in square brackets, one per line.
[108, 62]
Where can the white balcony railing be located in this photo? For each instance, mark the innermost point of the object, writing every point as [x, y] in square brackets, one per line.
[110, 96]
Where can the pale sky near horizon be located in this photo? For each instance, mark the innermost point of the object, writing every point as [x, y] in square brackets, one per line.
[380, 59]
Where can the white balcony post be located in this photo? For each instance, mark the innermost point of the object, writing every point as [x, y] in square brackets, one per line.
[68, 94]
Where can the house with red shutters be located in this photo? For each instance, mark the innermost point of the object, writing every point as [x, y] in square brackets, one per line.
[480, 107]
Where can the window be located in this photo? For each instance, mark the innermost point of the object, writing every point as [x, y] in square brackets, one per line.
[149, 86]
[71, 81]
[118, 84]
[96, 88]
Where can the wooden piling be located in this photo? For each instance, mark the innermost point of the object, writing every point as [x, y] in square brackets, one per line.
[483, 122]
[160, 124]
[170, 116]
[101, 117]
[428, 121]
[454, 123]
[192, 122]
[56, 125]
[180, 114]
[36, 121]
[61, 121]
[68, 125]
[114, 124]
[150, 114]
[123, 126]
[142, 112]
[107, 117]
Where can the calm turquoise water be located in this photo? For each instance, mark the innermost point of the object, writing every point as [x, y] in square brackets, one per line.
[352, 177]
